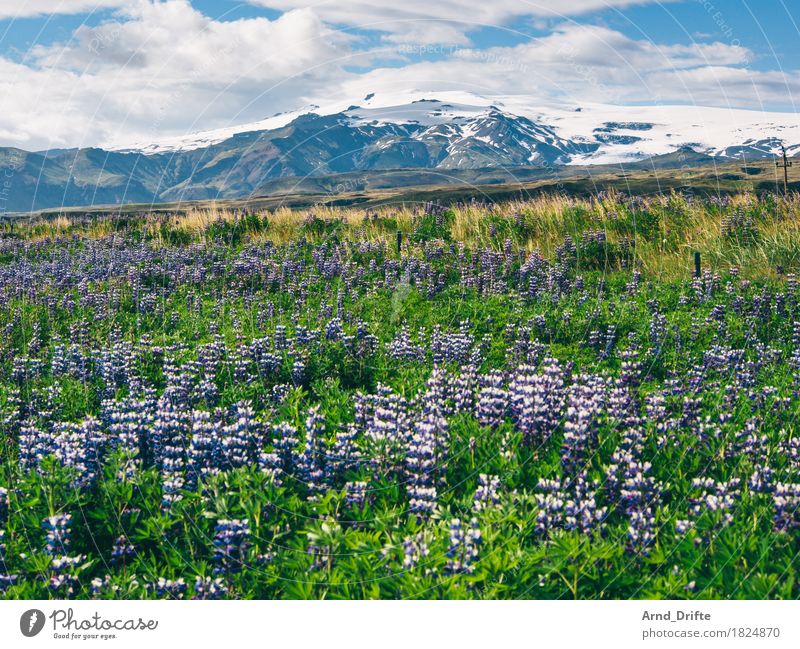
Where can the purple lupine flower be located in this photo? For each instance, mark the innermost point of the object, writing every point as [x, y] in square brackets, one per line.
[761, 480]
[786, 501]
[269, 463]
[463, 547]
[610, 342]
[298, 371]
[205, 391]
[550, 504]
[58, 532]
[658, 414]
[121, 551]
[403, 348]
[630, 371]
[170, 440]
[451, 346]
[658, 331]
[128, 422]
[167, 588]
[536, 400]
[717, 498]
[641, 529]
[34, 445]
[344, 454]
[465, 389]
[581, 511]
[425, 462]
[311, 462]
[585, 403]
[437, 395]
[386, 423]
[285, 444]
[632, 489]
[208, 588]
[203, 455]
[79, 447]
[64, 580]
[241, 439]
[355, 494]
[493, 400]
[279, 393]
[486, 495]
[415, 550]
[100, 587]
[231, 545]
[334, 330]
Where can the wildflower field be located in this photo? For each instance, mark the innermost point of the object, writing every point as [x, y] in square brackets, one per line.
[524, 400]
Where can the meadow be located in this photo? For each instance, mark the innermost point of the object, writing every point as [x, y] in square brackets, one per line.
[533, 399]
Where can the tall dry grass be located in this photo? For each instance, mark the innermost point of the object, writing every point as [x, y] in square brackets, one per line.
[666, 229]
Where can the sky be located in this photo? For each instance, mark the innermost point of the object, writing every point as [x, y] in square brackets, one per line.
[96, 72]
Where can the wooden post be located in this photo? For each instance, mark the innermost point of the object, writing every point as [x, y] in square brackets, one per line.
[697, 264]
[786, 164]
[399, 241]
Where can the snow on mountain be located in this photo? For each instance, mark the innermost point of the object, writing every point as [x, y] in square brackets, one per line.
[578, 134]
[629, 133]
[400, 108]
[199, 140]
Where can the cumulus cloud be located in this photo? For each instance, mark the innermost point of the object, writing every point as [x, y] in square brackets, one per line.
[716, 85]
[443, 21]
[28, 8]
[164, 67]
[585, 63]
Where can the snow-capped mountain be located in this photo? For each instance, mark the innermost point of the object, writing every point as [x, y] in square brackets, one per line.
[405, 138]
[504, 128]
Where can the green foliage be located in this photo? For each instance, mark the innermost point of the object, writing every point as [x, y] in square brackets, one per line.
[174, 236]
[322, 228]
[324, 548]
[430, 227]
[234, 232]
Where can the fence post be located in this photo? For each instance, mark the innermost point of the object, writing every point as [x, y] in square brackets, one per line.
[399, 241]
[697, 264]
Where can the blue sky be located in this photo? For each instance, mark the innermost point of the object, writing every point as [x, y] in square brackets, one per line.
[77, 72]
[769, 27]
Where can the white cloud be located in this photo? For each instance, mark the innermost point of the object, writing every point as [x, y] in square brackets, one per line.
[164, 67]
[442, 21]
[28, 8]
[169, 41]
[716, 85]
[579, 63]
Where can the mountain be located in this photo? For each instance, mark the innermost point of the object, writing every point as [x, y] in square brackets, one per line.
[434, 137]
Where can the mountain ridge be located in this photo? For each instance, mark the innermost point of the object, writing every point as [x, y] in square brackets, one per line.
[449, 133]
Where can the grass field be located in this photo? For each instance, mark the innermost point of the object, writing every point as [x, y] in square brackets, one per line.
[529, 399]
